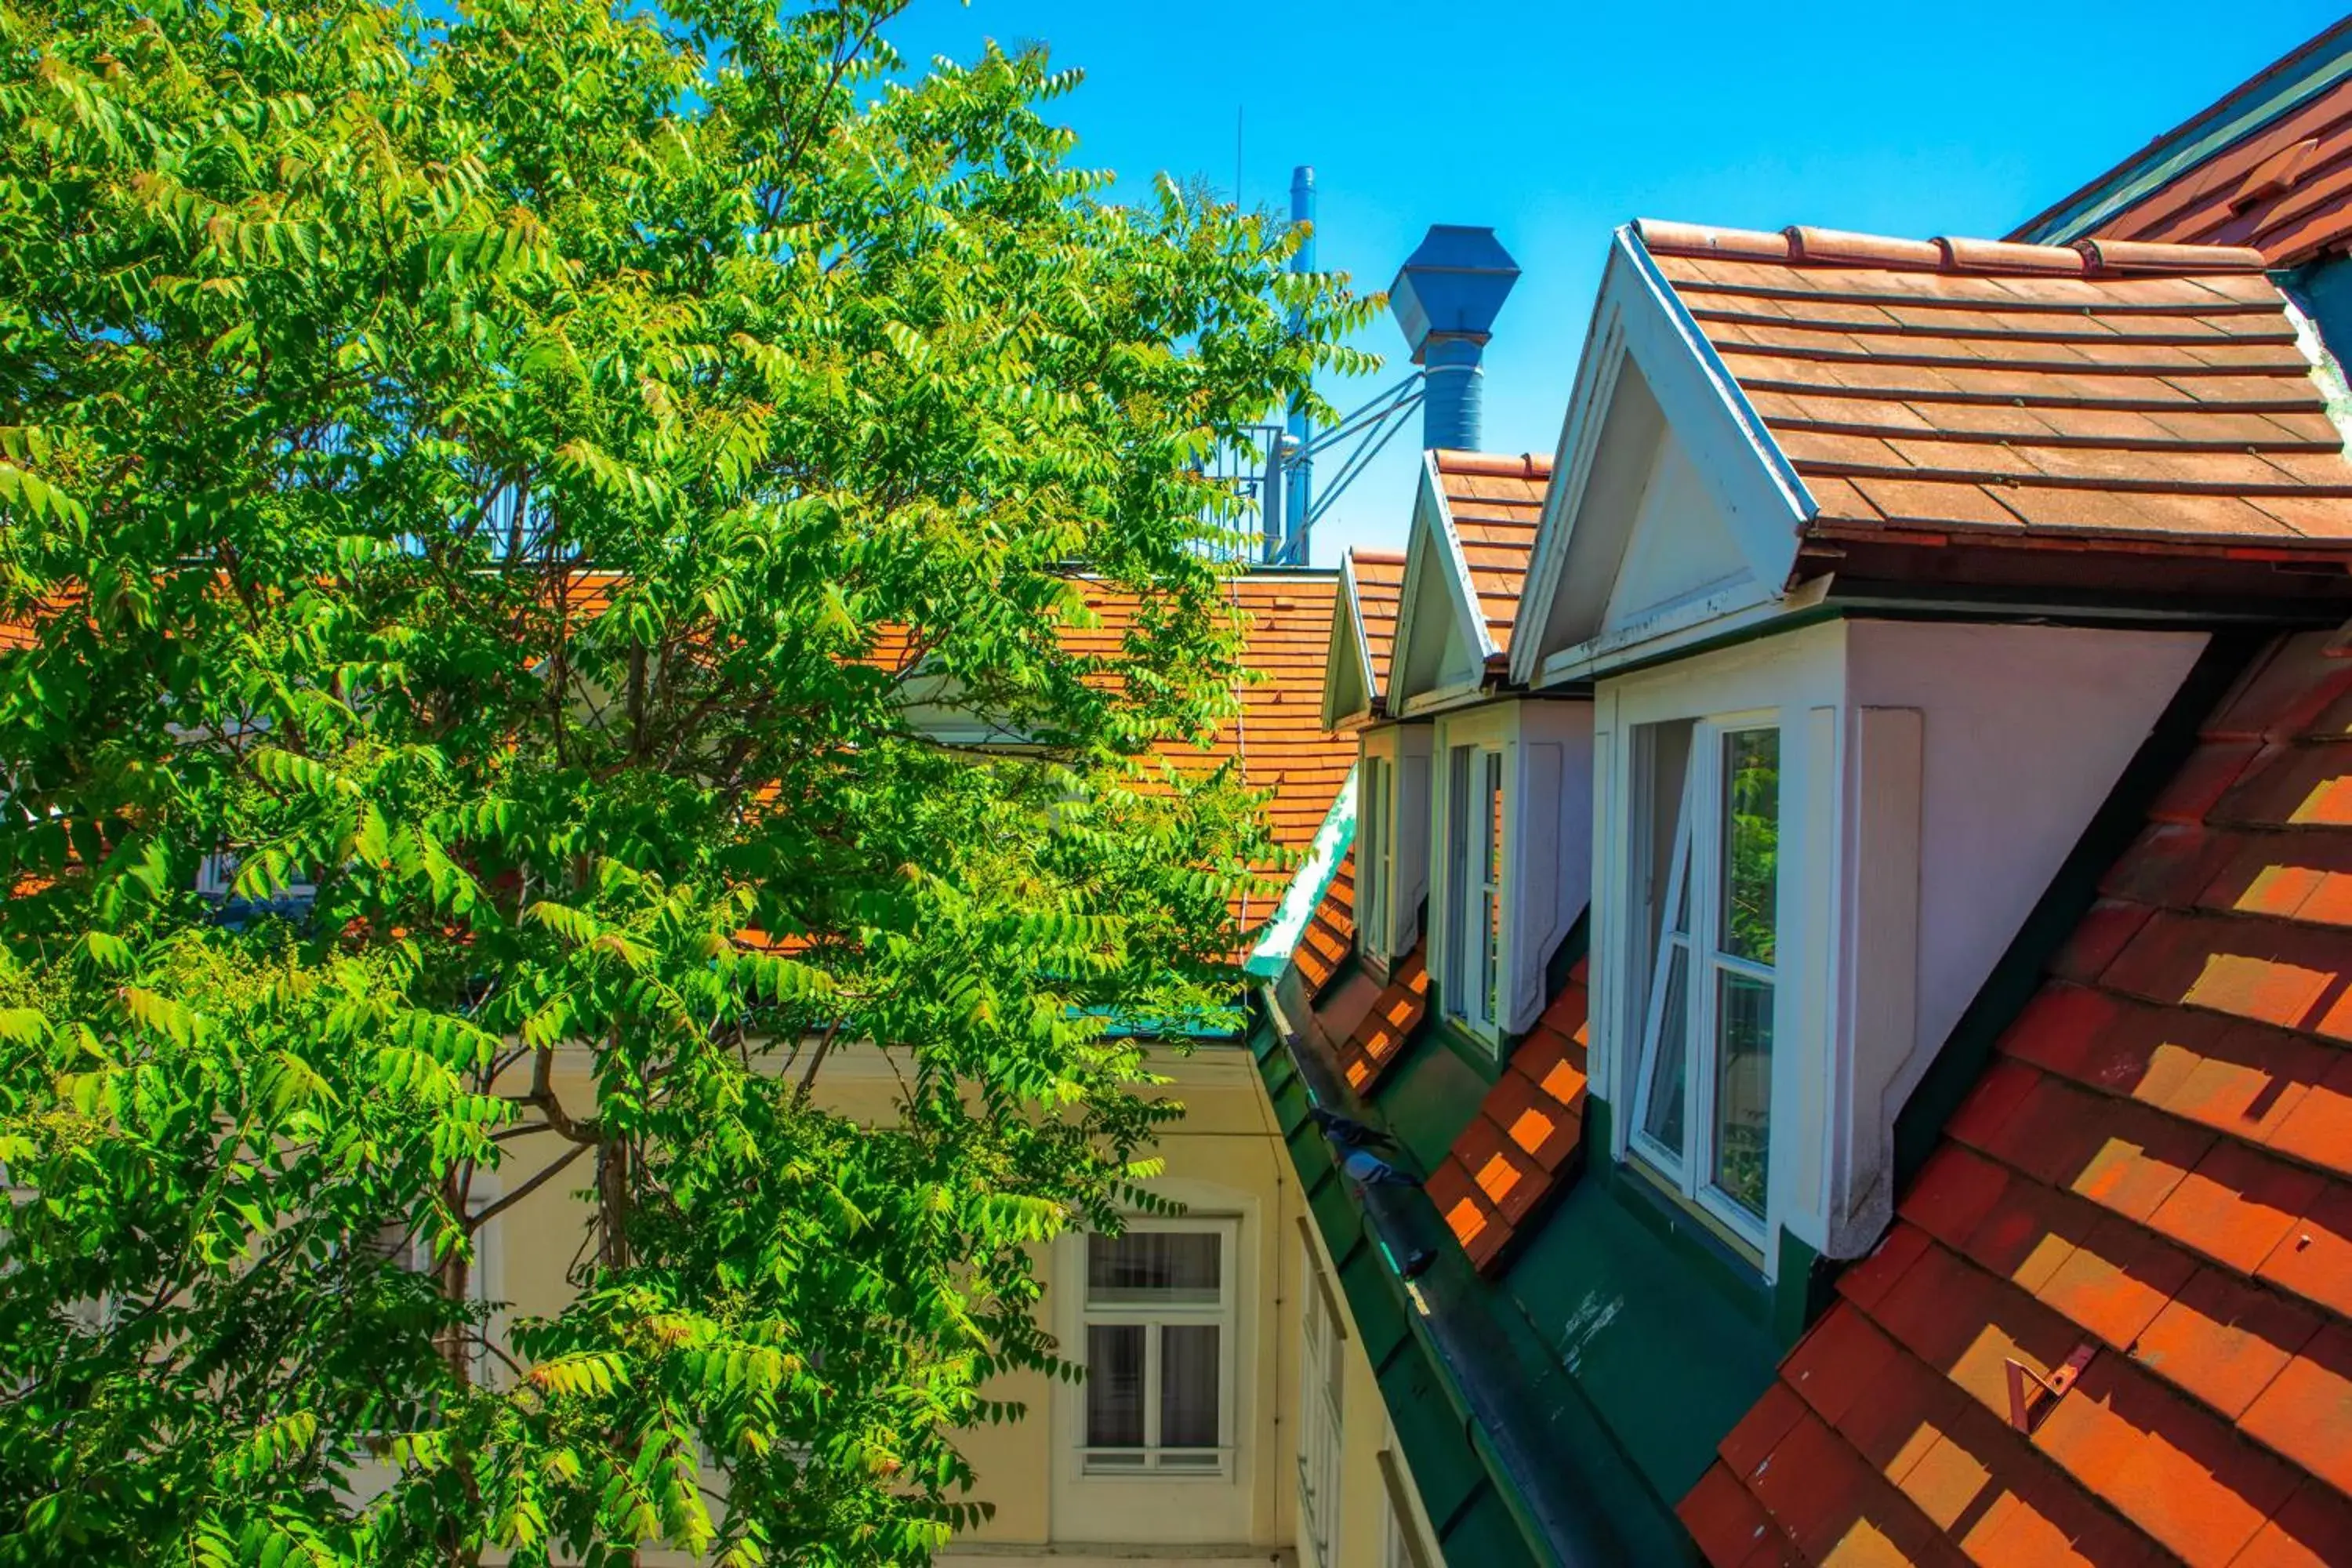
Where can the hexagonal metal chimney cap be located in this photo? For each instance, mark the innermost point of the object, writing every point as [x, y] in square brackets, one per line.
[1453, 287]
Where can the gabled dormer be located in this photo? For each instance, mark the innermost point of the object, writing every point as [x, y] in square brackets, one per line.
[1474, 526]
[1363, 635]
[1671, 508]
[1881, 559]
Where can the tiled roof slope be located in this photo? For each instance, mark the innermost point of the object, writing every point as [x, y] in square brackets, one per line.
[2155, 1174]
[2114, 395]
[2280, 179]
[2286, 191]
[1389, 1025]
[1380, 582]
[1330, 933]
[1496, 502]
[1279, 731]
[1516, 1152]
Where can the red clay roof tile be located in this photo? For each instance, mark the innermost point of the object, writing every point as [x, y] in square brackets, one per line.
[1331, 934]
[1985, 392]
[1496, 502]
[1379, 581]
[1379, 1041]
[2278, 190]
[2159, 1165]
[1519, 1150]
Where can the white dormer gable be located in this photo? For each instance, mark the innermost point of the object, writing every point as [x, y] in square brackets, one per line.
[1441, 640]
[1348, 681]
[1670, 510]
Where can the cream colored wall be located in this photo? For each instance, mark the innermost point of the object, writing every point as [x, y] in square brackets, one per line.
[1367, 1510]
[1225, 1157]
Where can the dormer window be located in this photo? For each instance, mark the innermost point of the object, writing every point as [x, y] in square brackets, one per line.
[1704, 1087]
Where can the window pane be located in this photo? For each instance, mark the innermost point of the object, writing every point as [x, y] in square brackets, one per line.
[1751, 842]
[1460, 907]
[1743, 1089]
[1188, 1385]
[1115, 1386]
[1174, 1268]
[1662, 1118]
[1490, 912]
[1663, 751]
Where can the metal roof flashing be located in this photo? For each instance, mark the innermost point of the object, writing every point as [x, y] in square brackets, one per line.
[1307, 885]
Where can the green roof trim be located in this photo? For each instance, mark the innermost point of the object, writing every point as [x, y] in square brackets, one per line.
[2300, 76]
[1307, 886]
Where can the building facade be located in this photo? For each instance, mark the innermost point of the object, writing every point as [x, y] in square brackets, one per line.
[1837, 956]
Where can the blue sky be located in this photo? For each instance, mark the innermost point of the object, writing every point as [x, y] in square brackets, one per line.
[1556, 121]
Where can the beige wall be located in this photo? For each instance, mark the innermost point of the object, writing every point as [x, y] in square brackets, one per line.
[1225, 1158]
[1376, 1523]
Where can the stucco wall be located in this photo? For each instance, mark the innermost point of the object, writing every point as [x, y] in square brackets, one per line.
[1225, 1157]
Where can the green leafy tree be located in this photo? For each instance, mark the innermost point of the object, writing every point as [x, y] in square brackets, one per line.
[500, 493]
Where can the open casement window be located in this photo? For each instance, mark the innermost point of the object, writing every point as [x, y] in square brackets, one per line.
[1703, 1093]
[1473, 884]
[1160, 1349]
[1374, 859]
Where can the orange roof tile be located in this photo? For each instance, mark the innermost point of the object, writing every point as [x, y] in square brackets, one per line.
[1513, 1155]
[1955, 390]
[1331, 934]
[1388, 1026]
[1379, 581]
[2283, 187]
[2152, 1181]
[1496, 502]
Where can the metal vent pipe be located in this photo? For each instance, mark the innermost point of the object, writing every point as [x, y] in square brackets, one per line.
[1445, 298]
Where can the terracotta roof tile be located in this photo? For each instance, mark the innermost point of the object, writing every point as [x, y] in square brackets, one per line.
[1496, 502]
[1331, 934]
[1388, 1026]
[2280, 190]
[1278, 732]
[1518, 1152]
[2155, 1171]
[1379, 583]
[1996, 394]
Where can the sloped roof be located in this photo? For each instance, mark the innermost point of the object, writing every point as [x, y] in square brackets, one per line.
[2114, 396]
[1496, 502]
[1379, 581]
[2269, 165]
[1278, 734]
[1519, 1150]
[1380, 1037]
[2152, 1180]
[1330, 933]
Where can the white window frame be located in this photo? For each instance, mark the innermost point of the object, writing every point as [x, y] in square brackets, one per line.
[1478, 861]
[1322, 1375]
[1151, 1461]
[1376, 860]
[1695, 876]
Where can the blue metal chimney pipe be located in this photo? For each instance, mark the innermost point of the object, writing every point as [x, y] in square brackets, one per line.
[1300, 472]
[1445, 298]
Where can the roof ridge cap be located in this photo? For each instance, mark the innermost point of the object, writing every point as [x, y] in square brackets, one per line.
[1805, 245]
[1495, 464]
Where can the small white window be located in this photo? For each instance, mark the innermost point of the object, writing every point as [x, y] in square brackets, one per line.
[1160, 1348]
[1374, 861]
[1474, 884]
[1322, 1375]
[1703, 1093]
